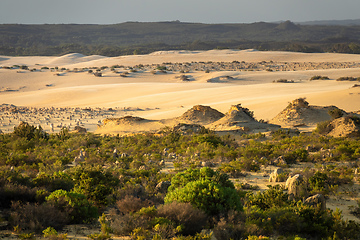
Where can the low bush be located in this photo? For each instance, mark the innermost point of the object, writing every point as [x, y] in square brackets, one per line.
[58, 180]
[131, 204]
[75, 205]
[35, 218]
[283, 81]
[324, 127]
[335, 113]
[347, 79]
[318, 77]
[10, 192]
[190, 218]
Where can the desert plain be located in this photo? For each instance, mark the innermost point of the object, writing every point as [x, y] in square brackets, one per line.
[62, 91]
[57, 92]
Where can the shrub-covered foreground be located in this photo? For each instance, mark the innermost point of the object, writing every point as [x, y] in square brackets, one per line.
[42, 188]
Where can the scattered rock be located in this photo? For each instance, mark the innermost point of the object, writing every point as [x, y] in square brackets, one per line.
[274, 176]
[280, 161]
[163, 186]
[207, 164]
[317, 200]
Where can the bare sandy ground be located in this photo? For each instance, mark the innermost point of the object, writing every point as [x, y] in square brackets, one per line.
[164, 95]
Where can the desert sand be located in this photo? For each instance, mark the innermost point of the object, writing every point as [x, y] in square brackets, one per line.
[134, 87]
[57, 92]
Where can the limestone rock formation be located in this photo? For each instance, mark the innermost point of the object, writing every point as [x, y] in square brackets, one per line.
[79, 159]
[274, 176]
[296, 186]
[163, 186]
[280, 161]
[317, 200]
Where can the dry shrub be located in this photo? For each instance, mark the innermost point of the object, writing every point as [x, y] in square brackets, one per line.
[131, 204]
[231, 226]
[15, 192]
[35, 218]
[123, 225]
[223, 230]
[184, 214]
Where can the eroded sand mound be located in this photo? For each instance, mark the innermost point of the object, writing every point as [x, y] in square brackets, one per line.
[200, 115]
[128, 125]
[300, 113]
[239, 118]
[345, 127]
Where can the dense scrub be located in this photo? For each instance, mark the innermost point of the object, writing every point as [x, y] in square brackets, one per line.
[141, 38]
[40, 180]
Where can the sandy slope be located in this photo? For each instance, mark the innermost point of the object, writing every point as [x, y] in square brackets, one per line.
[171, 97]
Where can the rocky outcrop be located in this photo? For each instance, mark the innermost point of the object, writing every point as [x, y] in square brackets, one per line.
[79, 159]
[296, 186]
[275, 176]
[280, 161]
[316, 201]
[163, 186]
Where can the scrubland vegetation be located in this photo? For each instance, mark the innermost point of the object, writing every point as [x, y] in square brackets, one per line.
[143, 38]
[128, 192]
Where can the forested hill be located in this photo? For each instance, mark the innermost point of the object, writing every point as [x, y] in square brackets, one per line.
[138, 37]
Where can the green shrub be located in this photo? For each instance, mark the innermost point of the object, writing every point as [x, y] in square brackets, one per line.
[95, 183]
[319, 181]
[52, 234]
[271, 198]
[205, 189]
[296, 155]
[58, 180]
[75, 205]
[25, 130]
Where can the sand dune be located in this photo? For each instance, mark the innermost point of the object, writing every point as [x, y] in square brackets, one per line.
[235, 77]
